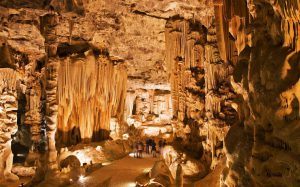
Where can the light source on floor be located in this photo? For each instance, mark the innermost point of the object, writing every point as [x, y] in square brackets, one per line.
[147, 170]
[131, 184]
[81, 178]
[106, 163]
[131, 155]
[82, 157]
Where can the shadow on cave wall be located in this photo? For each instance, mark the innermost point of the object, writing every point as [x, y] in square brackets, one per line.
[73, 137]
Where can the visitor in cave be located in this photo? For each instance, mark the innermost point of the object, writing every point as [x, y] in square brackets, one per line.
[140, 149]
[153, 149]
[135, 149]
[164, 143]
[148, 143]
[160, 144]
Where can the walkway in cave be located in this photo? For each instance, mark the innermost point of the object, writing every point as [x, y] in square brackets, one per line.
[122, 172]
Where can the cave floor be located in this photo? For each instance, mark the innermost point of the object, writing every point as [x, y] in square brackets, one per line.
[120, 173]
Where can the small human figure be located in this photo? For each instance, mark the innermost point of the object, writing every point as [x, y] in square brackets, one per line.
[147, 145]
[140, 149]
[135, 146]
[153, 149]
[164, 143]
[150, 146]
[160, 145]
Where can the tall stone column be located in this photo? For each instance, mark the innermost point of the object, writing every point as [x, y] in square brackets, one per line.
[33, 111]
[47, 27]
[51, 107]
[8, 121]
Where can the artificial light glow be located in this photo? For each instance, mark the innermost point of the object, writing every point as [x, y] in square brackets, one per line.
[131, 155]
[131, 184]
[82, 158]
[147, 170]
[106, 163]
[81, 178]
[125, 136]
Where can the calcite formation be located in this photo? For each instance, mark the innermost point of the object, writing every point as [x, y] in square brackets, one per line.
[266, 78]
[200, 80]
[8, 121]
[90, 92]
[221, 76]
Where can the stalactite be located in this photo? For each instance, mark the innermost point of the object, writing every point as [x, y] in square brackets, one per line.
[183, 53]
[90, 92]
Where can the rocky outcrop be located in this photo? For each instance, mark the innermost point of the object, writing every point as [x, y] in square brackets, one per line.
[262, 148]
[8, 121]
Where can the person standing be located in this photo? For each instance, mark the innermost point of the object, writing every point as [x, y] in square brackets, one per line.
[164, 143]
[153, 149]
[135, 147]
[140, 149]
[160, 145]
[147, 145]
[150, 146]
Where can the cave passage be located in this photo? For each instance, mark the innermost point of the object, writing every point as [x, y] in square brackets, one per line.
[149, 93]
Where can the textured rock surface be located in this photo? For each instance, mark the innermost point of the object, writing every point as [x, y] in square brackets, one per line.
[226, 70]
[8, 121]
[262, 149]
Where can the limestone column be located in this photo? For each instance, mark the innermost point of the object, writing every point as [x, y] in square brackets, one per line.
[8, 121]
[51, 107]
[47, 27]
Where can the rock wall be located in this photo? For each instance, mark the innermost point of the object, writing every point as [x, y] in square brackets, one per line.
[262, 148]
[233, 68]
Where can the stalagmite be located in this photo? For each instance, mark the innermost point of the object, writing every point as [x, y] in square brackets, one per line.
[52, 106]
[8, 121]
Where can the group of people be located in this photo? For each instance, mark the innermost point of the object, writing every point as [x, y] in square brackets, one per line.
[150, 147]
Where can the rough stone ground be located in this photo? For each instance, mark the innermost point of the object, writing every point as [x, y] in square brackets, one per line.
[14, 184]
[122, 172]
[213, 178]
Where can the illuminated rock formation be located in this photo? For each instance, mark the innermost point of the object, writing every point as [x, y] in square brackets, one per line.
[200, 81]
[90, 91]
[219, 76]
[261, 148]
[8, 121]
